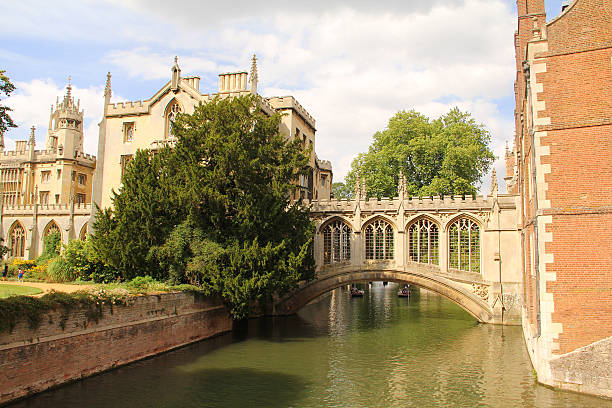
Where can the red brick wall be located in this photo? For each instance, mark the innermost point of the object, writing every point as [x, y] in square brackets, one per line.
[34, 360]
[578, 88]
[582, 291]
[586, 25]
[577, 92]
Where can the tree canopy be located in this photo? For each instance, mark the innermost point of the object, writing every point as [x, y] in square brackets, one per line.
[214, 210]
[6, 87]
[448, 155]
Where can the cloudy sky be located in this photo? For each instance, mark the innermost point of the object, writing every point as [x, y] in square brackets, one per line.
[351, 64]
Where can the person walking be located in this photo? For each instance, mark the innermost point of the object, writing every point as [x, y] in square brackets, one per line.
[20, 275]
[5, 272]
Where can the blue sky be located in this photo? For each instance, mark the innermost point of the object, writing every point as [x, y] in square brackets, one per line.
[351, 64]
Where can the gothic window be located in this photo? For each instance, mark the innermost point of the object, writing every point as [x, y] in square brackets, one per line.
[379, 240]
[128, 131]
[17, 244]
[44, 197]
[336, 243]
[464, 245]
[124, 161]
[172, 111]
[82, 178]
[45, 176]
[51, 228]
[424, 242]
[80, 198]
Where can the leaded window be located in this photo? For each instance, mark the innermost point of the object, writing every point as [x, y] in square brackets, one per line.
[17, 237]
[464, 245]
[424, 242]
[379, 240]
[336, 242]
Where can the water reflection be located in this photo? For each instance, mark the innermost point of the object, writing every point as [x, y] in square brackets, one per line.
[375, 351]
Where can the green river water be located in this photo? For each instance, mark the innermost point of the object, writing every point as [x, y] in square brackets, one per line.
[375, 351]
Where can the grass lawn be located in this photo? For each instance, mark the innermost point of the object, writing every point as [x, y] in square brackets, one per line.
[11, 290]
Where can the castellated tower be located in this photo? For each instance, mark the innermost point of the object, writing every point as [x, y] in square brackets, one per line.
[66, 127]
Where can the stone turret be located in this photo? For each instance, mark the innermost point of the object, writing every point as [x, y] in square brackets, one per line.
[66, 126]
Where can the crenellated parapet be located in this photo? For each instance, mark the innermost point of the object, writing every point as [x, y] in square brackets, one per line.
[46, 209]
[412, 204]
[289, 102]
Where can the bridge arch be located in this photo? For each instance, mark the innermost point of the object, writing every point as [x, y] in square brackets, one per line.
[465, 299]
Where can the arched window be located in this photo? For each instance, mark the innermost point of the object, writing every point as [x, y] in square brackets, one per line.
[336, 243]
[17, 244]
[424, 242]
[379, 240]
[464, 245]
[83, 233]
[52, 228]
[172, 111]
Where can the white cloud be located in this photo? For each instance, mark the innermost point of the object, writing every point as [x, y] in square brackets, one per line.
[31, 103]
[351, 64]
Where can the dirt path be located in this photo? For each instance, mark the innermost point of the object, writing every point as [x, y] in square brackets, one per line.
[47, 287]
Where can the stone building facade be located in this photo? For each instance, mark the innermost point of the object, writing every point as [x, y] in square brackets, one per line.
[129, 126]
[46, 190]
[561, 167]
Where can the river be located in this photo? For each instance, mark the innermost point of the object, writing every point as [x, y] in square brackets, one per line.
[375, 351]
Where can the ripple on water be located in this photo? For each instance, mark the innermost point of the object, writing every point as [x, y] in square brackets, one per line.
[378, 351]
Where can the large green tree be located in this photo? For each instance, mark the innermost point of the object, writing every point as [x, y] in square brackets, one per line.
[448, 155]
[214, 210]
[342, 191]
[6, 87]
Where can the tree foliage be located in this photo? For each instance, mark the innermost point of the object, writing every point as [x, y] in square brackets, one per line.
[342, 191]
[448, 155]
[6, 87]
[214, 210]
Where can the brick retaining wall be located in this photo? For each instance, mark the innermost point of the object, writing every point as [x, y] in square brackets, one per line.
[35, 360]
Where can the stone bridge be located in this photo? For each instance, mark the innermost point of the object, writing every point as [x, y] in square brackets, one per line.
[466, 249]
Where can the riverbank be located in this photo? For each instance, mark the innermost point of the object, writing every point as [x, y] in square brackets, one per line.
[73, 344]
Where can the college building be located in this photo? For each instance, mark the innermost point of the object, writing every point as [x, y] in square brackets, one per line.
[561, 169]
[129, 126]
[48, 190]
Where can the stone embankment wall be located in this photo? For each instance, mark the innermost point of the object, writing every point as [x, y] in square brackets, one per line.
[33, 360]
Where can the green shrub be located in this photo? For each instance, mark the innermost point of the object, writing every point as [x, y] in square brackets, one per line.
[52, 246]
[77, 262]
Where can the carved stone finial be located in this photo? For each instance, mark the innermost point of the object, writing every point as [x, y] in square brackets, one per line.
[107, 87]
[357, 189]
[401, 188]
[494, 186]
[176, 75]
[32, 140]
[68, 93]
[253, 75]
